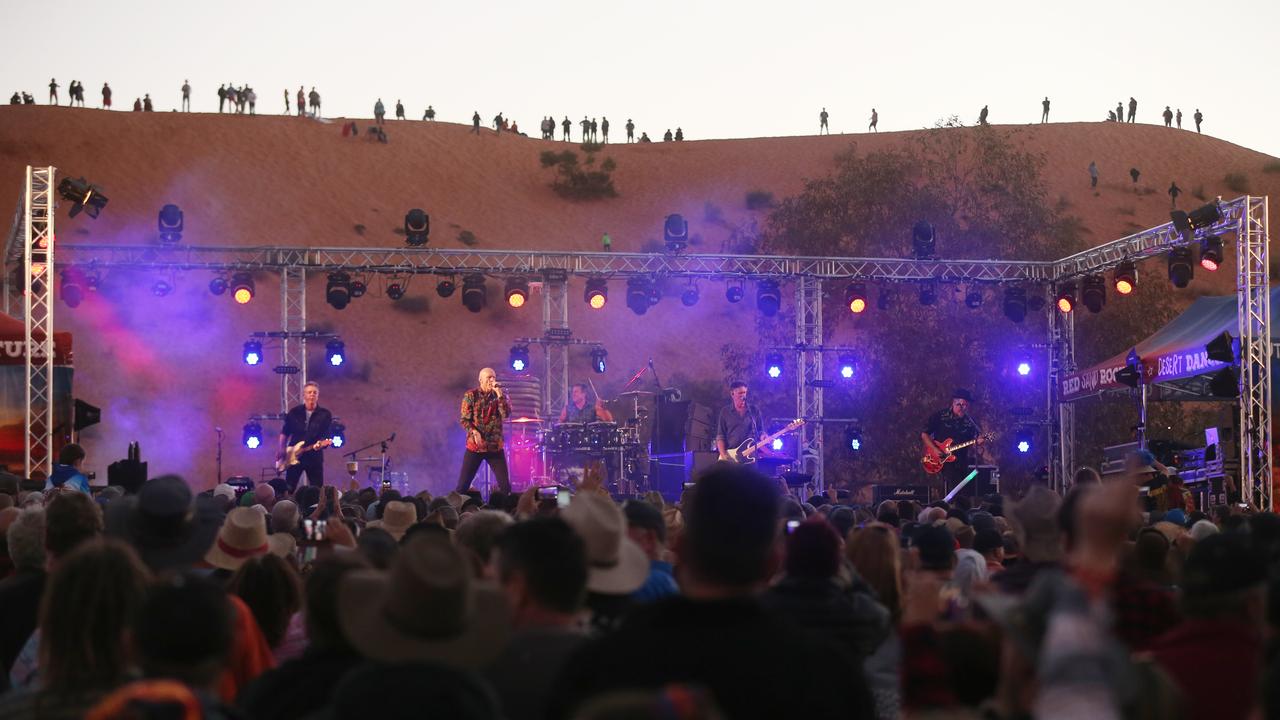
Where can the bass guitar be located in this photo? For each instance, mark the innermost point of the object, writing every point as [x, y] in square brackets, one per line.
[745, 453]
[292, 452]
[933, 464]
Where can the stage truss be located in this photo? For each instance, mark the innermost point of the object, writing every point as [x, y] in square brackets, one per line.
[1246, 217]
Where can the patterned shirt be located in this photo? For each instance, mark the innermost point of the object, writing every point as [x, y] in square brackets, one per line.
[484, 412]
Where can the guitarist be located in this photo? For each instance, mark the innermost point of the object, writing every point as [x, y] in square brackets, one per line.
[956, 423]
[307, 423]
[738, 421]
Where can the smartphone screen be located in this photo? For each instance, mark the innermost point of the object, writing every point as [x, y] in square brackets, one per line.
[563, 497]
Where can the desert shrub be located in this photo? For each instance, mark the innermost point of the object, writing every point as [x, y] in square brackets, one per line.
[578, 181]
[759, 200]
[1237, 182]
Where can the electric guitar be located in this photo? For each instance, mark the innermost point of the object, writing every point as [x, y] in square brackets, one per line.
[933, 464]
[292, 452]
[745, 453]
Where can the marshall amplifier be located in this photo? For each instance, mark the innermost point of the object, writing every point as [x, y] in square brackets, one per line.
[919, 493]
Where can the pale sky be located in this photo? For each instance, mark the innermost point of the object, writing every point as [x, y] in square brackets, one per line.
[716, 69]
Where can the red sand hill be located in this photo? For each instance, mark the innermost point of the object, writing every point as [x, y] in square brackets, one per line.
[167, 370]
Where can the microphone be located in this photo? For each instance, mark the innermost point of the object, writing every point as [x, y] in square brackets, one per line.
[218, 430]
[650, 363]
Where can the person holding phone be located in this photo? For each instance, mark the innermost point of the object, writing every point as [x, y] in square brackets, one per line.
[483, 410]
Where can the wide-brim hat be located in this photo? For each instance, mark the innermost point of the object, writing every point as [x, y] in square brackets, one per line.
[168, 528]
[426, 607]
[615, 563]
[397, 516]
[243, 535]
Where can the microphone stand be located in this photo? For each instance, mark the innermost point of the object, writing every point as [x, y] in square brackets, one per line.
[218, 480]
[383, 443]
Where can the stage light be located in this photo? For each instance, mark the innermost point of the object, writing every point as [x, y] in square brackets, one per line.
[773, 365]
[597, 293]
[733, 292]
[396, 288]
[886, 299]
[690, 295]
[218, 285]
[1024, 366]
[1125, 278]
[161, 288]
[1210, 252]
[416, 227]
[335, 352]
[338, 290]
[517, 292]
[923, 240]
[675, 232]
[242, 287]
[776, 444]
[94, 282]
[84, 195]
[1066, 299]
[1222, 348]
[253, 435]
[338, 433]
[519, 359]
[445, 287]
[848, 364]
[253, 352]
[973, 297]
[1015, 304]
[855, 296]
[72, 287]
[1035, 300]
[358, 288]
[1025, 439]
[1093, 293]
[599, 356]
[928, 293]
[1181, 271]
[655, 293]
[474, 293]
[1202, 217]
[853, 438]
[768, 297]
[169, 221]
[638, 295]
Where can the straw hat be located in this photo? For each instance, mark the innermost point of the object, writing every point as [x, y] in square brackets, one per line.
[397, 517]
[616, 564]
[243, 535]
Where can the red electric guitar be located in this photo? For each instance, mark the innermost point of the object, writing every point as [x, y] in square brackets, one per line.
[933, 464]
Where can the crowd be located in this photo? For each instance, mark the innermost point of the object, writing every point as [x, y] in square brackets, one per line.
[738, 601]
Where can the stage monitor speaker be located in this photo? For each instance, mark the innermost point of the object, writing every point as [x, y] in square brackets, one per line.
[919, 493]
[669, 473]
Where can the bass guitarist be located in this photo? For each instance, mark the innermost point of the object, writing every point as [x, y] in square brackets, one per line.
[738, 421]
[955, 423]
[308, 423]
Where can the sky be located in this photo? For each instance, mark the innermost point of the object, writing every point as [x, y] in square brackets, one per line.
[714, 69]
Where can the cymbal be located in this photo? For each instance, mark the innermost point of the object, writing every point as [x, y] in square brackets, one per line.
[635, 392]
[522, 420]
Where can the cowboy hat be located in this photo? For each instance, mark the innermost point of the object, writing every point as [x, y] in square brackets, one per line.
[616, 564]
[166, 525]
[426, 607]
[243, 535]
[397, 517]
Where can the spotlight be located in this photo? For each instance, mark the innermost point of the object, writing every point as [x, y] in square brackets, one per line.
[1125, 278]
[445, 287]
[1222, 348]
[1015, 304]
[973, 297]
[886, 299]
[83, 195]
[517, 292]
[218, 285]
[1024, 439]
[1198, 219]
[338, 290]
[242, 287]
[776, 444]
[923, 240]
[768, 297]
[161, 288]
[416, 227]
[519, 359]
[773, 365]
[395, 289]
[598, 357]
[597, 293]
[690, 295]
[733, 292]
[638, 295]
[169, 222]
[675, 231]
[1093, 293]
[1024, 367]
[655, 293]
[928, 293]
[1181, 271]
[338, 433]
[855, 296]
[253, 435]
[1066, 300]
[853, 438]
[335, 352]
[848, 364]
[253, 352]
[1210, 252]
[72, 288]
[358, 288]
[474, 293]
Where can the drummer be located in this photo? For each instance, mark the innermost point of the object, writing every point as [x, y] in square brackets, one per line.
[577, 411]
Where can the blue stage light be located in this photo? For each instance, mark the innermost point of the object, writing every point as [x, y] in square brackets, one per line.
[253, 435]
[847, 366]
[1024, 439]
[253, 352]
[1024, 368]
[853, 438]
[773, 365]
[335, 352]
[338, 434]
[1024, 446]
[777, 444]
[520, 358]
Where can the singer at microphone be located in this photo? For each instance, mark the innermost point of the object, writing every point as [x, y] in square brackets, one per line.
[483, 410]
